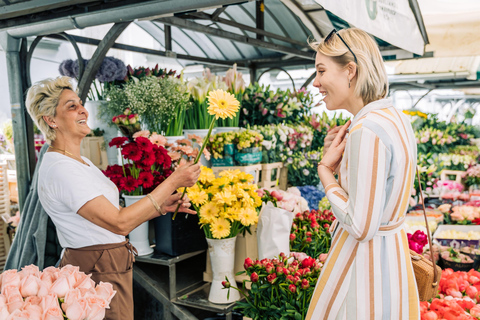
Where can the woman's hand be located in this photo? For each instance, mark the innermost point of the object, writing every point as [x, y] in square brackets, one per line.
[336, 148]
[186, 175]
[327, 142]
[172, 202]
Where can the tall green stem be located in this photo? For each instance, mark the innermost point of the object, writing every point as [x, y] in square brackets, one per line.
[205, 140]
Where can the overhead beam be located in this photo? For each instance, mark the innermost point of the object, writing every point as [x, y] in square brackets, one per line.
[218, 12]
[186, 24]
[245, 27]
[126, 47]
[30, 7]
[168, 38]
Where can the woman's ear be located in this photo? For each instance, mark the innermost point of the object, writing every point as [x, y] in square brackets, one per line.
[352, 70]
[50, 121]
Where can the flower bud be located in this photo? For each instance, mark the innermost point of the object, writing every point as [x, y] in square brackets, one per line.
[305, 284]
[271, 277]
[292, 237]
[226, 284]
[254, 277]
[292, 288]
[248, 263]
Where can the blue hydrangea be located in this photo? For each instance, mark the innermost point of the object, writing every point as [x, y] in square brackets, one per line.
[312, 195]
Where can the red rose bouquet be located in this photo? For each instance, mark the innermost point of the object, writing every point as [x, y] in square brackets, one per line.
[145, 164]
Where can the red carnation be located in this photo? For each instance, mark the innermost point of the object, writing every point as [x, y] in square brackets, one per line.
[146, 179]
[132, 152]
[118, 141]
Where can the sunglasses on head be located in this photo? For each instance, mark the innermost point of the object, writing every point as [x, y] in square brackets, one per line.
[330, 35]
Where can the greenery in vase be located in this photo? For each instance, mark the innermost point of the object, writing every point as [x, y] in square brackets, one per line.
[198, 117]
[159, 101]
[217, 142]
[248, 139]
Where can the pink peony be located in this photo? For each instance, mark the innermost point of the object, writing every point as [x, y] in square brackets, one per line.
[277, 195]
[430, 315]
[420, 237]
[105, 291]
[454, 293]
[322, 257]
[471, 292]
[77, 310]
[475, 311]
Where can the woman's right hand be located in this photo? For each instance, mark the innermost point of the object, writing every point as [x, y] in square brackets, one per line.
[186, 175]
[327, 142]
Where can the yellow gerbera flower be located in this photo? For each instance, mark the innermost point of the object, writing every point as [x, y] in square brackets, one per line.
[225, 197]
[222, 104]
[209, 212]
[206, 176]
[220, 228]
[248, 216]
[198, 197]
[230, 174]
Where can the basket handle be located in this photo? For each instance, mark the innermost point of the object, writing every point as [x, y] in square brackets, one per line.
[428, 229]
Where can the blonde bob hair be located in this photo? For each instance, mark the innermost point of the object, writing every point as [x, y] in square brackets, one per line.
[372, 81]
[42, 100]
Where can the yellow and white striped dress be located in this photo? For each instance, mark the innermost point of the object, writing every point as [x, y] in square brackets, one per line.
[368, 273]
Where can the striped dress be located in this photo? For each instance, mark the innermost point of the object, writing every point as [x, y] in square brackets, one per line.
[368, 273]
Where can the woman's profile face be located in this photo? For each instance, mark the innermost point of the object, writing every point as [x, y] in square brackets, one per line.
[332, 82]
[71, 116]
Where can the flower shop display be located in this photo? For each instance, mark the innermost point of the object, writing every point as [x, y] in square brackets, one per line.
[280, 288]
[128, 123]
[310, 232]
[160, 101]
[53, 294]
[461, 214]
[226, 206]
[302, 168]
[472, 181]
[247, 143]
[452, 258]
[262, 106]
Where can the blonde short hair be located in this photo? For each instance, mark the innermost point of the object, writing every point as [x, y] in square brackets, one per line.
[372, 80]
[42, 100]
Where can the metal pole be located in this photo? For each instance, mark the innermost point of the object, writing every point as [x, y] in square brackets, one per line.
[168, 38]
[260, 17]
[22, 124]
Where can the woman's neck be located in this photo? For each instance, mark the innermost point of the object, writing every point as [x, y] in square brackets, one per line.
[354, 105]
[69, 146]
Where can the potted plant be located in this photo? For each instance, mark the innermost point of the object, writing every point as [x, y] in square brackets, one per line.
[221, 146]
[248, 143]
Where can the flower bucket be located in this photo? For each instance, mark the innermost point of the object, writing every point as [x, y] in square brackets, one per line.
[139, 236]
[249, 156]
[110, 132]
[222, 258]
[226, 129]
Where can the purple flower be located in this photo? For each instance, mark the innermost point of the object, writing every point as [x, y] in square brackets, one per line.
[111, 69]
[66, 68]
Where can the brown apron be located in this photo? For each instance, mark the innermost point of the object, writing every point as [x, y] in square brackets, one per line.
[112, 263]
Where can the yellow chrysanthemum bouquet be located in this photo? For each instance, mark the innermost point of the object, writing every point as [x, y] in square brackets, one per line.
[226, 205]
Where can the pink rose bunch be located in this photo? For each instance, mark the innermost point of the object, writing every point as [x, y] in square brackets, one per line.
[53, 294]
[417, 241]
[290, 200]
[276, 282]
[464, 214]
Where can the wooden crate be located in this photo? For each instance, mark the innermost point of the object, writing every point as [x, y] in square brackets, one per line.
[283, 182]
[4, 242]
[444, 175]
[94, 149]
[4, 190]
[267, 172]
[254, 170]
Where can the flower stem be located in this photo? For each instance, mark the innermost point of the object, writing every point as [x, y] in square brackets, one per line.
[196, 161]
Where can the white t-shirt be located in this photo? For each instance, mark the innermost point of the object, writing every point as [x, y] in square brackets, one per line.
[64, 186]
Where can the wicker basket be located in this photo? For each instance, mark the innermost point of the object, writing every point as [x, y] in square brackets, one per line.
[424, 275]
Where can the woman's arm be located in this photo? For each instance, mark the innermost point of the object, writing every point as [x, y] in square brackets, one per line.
[103, 213]
[361, 210]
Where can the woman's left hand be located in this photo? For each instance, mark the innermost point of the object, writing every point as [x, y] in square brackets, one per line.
[172, 202]
[335, 153]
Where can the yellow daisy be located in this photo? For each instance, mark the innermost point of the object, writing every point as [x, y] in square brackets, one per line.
[198, 197]
[222, 104]
[220, 183]
[209, 212]
[230, 174]
[248, 216]
[245, 177]
[220, 228]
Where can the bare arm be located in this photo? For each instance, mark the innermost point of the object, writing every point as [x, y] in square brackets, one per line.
[122, 221]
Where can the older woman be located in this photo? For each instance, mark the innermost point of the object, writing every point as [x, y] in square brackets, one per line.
[84, 204]
[368, 273]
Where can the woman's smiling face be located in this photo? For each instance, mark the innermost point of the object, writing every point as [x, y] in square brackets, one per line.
[332, 82]
[71, 116]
